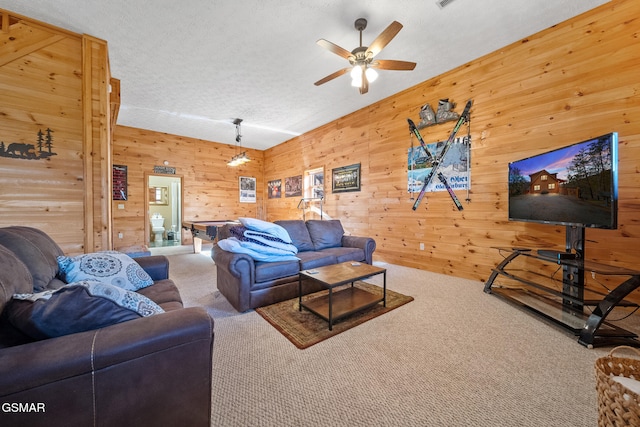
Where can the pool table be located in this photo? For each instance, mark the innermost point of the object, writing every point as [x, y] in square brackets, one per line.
[204, 230]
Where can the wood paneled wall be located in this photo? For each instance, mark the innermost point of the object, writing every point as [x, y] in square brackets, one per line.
[211, 188]
[54, 79]
[562, 85]
[568, 83]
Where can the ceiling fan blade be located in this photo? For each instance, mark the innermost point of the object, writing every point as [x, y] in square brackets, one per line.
[364, 87]
[390, 64]
[332, 76]
[332, 47]
[384, 38]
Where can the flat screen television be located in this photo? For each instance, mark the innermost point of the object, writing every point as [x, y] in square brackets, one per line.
[576, 185]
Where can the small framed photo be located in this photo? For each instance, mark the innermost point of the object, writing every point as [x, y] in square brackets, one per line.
[247, 189]
[346, 178]
[293, 186]
[274, 189]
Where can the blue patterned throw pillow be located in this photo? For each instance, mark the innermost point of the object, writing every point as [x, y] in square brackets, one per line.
[77, 307]
[111, 267]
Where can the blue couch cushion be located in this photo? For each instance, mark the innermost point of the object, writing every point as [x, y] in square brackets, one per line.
[311, 259]
[345, 254]
[325, 234]
[266, 271]
[299, 234]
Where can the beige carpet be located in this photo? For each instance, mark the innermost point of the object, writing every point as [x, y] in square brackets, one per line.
[305, 329]
[455, 356]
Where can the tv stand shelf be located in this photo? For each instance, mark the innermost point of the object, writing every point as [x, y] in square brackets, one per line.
[566, 307]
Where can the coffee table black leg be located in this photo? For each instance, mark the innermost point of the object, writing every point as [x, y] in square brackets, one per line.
[299, 293]
[330, 309]
[384, 289]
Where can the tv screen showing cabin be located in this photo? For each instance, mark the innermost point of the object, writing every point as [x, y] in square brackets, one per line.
[576, 185]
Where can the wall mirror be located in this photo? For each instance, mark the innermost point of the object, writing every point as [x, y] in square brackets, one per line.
[158, 196]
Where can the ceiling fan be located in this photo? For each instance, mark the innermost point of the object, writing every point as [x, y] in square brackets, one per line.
[362, 58]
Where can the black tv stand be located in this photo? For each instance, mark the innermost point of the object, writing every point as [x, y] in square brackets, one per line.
[566, 307]
[553, 254]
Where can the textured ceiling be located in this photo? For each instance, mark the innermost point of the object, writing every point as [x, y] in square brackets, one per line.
[189, 68]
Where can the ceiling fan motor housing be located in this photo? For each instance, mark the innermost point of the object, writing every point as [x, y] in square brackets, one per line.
[360, 56]
[361, 24]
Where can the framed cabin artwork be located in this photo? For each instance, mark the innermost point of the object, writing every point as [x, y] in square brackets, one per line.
[345, 178]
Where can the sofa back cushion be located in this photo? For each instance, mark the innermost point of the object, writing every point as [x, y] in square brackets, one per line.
[325, 234]
[37, 251]
[14, 276]
[299, 234]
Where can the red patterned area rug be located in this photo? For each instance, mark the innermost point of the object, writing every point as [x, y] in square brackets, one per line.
[305, 329]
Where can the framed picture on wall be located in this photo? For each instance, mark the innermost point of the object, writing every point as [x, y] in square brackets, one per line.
[247, 189]
[274, 189]
[345, 178]
[119, 182]
[293, 186]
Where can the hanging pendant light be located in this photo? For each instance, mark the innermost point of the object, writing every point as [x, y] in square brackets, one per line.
[239, 158]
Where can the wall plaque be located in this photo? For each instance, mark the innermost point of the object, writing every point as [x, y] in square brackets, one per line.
[164, 169]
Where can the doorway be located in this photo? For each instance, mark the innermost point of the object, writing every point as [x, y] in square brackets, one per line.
[164, 208]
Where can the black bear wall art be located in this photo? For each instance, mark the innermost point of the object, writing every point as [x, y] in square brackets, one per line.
[42, 149]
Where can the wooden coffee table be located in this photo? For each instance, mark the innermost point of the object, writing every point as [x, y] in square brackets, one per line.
[342, 303]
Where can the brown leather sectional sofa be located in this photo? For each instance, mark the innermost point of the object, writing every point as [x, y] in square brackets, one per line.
[149, 371]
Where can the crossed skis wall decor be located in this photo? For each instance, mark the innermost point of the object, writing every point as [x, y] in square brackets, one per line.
[436, 159]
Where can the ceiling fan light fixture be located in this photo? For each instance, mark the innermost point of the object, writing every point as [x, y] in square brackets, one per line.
[356, 72]
[371, 74]
[356, 76]
[361, 58]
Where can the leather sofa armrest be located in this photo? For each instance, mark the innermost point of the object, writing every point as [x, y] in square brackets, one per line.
[367, 244]
[152, 334]
[156, 266]
[236, 264]
[150, 371]
[44, 362]
[235, 273]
